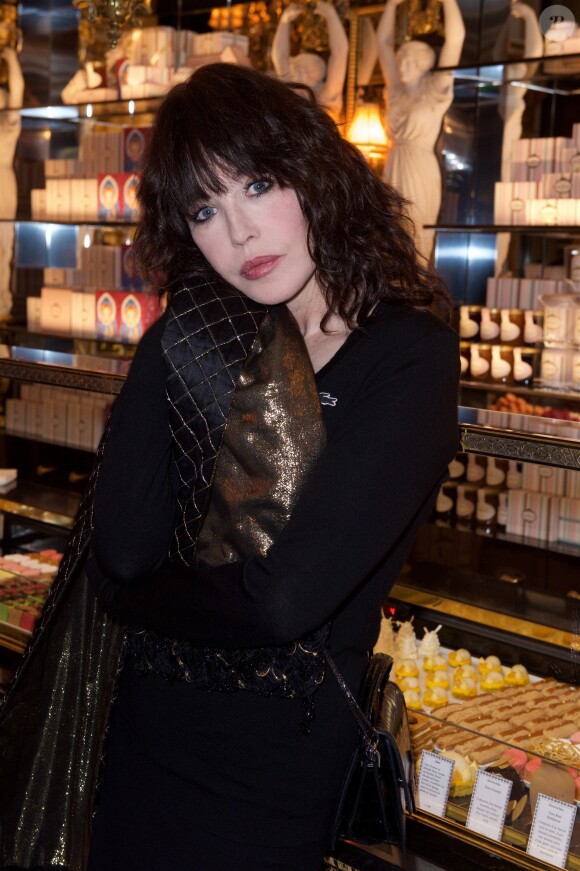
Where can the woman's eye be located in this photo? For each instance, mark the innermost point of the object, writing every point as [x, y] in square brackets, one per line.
[204, 214]
[257, 188]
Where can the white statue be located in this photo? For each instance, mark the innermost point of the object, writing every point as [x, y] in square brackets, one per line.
[417, 98]
[325, 79]
[513, 99]
[10, 103]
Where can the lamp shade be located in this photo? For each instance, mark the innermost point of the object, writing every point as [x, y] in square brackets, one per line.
[366, 131]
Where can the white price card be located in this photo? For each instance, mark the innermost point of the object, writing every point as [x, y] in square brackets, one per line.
[434, 782]
[551, 830]
[488, 805]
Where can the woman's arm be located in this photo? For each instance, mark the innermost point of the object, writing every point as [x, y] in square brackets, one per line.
[372, 481]
[135, 502]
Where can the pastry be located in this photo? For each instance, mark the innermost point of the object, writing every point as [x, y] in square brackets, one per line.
[407, 668]
[438, 679]
[409, 683]
[406, 641]
[518, 794]
[412, 699]
[435, 663]
[464, 689]
[430, 644]
[563, 730]
[553, 781]
[517, 676]
[532, 765]
[464, 772]
[465, 671]
[492, 681]
[446, 710]
[459, 657]
[485, 753]
[516, 758]
[432, 698]
[490, 663]
[386, 640]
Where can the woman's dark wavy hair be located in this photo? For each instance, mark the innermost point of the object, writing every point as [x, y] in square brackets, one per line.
[231, 120]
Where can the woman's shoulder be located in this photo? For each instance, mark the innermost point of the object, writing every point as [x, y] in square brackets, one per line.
[404, 325]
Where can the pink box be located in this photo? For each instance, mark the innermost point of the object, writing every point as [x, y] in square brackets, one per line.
[544, 479]
[529, 515]
[55, 310]
[565, 522]
[83, 315]
[534, 157]
[510, 201]
[58, 199]
[555, 184]
[572, 488]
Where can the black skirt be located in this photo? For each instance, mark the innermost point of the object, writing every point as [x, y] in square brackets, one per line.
[197, 781]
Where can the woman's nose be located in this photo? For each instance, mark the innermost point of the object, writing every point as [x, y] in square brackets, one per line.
[242, 228]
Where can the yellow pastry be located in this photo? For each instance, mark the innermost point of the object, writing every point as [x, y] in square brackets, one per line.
[434, 663]
[459, 657]
[412, 700]
[490, 663]
[437, 679]
[435, 698]
[492, 681]
[407, 668]
[517, 676]
[465, 671]
[464, 771]
[464, 688]
[409, 683]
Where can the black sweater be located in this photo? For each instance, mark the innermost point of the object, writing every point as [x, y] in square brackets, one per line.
[237, 765]
[389, 408]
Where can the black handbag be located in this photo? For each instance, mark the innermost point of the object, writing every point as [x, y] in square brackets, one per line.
[379, 782]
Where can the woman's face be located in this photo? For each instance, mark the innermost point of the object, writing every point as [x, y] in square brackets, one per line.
[255, 236]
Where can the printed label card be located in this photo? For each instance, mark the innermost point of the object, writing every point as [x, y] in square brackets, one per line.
[434, 783]
[551, 830]
[488, 806]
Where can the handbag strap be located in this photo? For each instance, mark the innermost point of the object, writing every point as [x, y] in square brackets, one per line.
[370, 734]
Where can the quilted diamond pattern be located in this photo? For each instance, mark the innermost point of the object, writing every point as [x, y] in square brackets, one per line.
[209, 332]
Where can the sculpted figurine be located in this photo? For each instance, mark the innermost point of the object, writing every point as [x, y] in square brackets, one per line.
[10, 103]
[325, 79]
[513, 99]
[418, 97]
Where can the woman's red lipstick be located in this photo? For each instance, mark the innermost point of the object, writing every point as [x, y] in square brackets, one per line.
[259, 266]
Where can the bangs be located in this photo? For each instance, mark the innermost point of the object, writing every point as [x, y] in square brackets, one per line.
[211, 136]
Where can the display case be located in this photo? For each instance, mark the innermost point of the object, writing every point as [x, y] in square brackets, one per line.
[495, 570]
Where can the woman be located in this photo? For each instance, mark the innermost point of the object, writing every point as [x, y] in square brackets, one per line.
[417, 101]
[259, 217]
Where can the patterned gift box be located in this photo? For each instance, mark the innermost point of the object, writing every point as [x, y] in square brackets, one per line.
[544, 479]
[529, 514]
[565, 522]
[572, 487]
[510, 201]
[534, 157]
